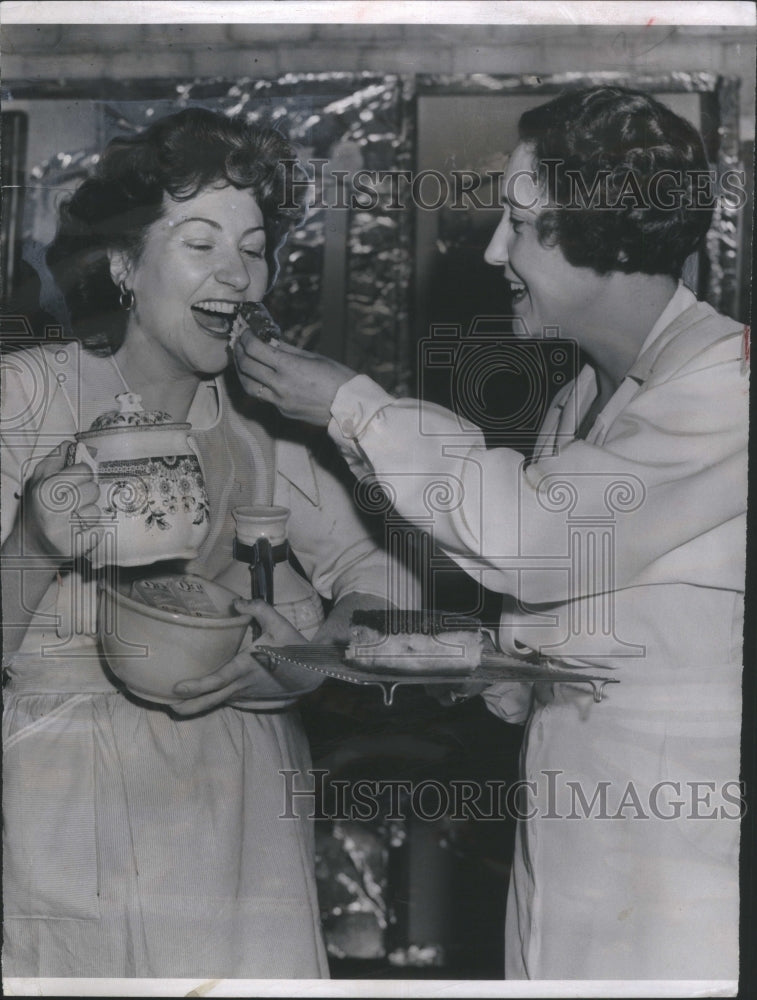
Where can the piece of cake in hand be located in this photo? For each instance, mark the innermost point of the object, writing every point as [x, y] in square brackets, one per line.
[260, 321]
[255, 317]
[414, 642]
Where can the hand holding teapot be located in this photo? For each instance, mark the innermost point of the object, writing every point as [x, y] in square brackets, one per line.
[61, 508]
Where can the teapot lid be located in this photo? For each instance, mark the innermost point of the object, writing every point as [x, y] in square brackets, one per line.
[130, 413]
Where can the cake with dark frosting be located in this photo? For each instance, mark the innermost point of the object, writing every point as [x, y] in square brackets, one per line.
[259, 321]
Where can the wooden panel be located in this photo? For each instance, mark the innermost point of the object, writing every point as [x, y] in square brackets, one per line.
[13, 147]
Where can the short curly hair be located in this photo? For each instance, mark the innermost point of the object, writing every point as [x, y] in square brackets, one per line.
[178, 155]
[651, 206]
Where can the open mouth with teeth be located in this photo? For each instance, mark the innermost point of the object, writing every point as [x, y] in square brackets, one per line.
[216, 316]
[518, 290]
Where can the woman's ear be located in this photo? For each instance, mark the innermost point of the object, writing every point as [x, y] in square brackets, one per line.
[120, 267]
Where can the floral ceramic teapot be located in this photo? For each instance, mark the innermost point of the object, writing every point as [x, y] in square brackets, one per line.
[152, 491]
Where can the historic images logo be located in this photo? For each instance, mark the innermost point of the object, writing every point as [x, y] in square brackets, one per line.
[461, 190]
[552, 795]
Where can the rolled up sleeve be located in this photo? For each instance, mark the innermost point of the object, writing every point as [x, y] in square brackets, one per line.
[669, 477]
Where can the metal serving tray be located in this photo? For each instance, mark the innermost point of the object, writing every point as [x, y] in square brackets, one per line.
[495, 667]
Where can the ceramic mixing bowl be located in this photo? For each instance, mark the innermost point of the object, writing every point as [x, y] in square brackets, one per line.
[151, 649]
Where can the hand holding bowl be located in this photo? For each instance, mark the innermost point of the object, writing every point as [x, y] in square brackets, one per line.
[244, 681]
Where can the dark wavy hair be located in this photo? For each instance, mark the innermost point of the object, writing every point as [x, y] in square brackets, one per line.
[178, 155]
[647, 213]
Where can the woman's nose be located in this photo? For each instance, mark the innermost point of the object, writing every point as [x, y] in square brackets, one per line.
[233, 271]
[496, 252]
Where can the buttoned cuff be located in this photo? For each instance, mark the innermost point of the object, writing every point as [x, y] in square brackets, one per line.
[356, 403]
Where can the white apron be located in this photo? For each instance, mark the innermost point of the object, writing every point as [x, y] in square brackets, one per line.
[137, 844]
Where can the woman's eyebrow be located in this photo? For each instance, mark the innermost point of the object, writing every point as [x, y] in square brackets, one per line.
[215, 225]
[198, 218]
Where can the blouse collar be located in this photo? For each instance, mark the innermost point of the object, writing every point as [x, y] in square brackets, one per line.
[205, 409]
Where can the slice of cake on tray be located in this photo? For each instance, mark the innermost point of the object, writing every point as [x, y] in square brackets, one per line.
[414, 642]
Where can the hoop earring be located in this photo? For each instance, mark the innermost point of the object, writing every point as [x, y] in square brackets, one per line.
[126, 297]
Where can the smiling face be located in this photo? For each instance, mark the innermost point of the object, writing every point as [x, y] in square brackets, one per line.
[199, 261]
[545, 289]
